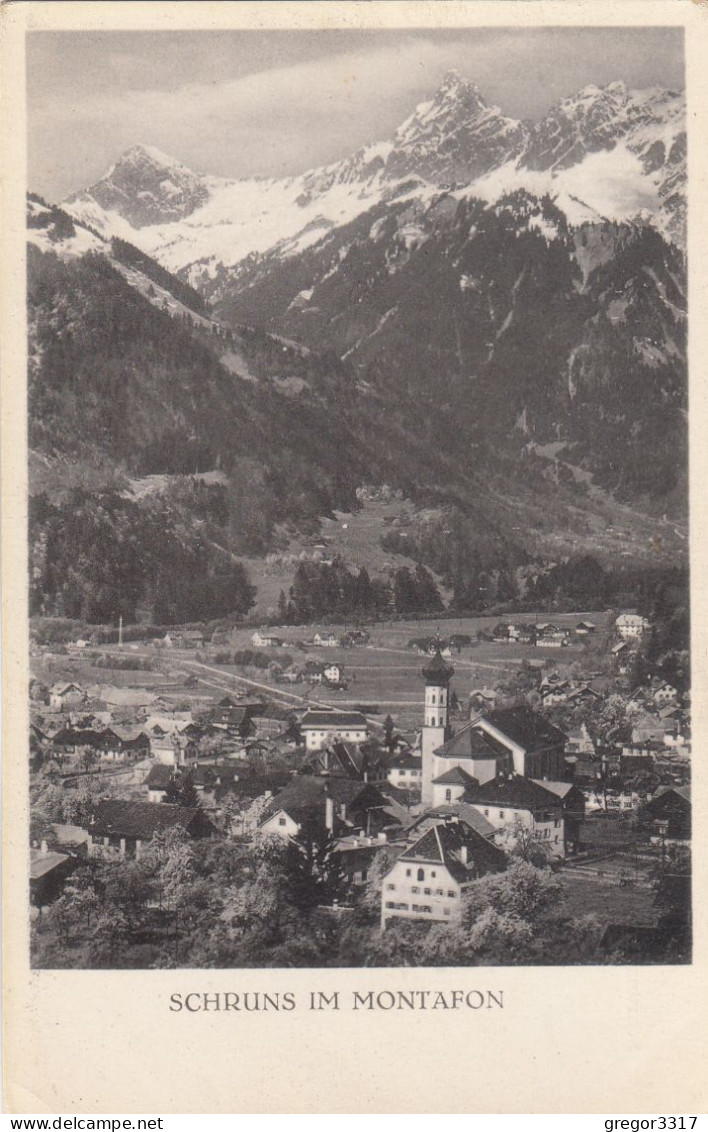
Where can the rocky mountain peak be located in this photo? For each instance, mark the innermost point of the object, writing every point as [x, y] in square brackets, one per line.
[147, 186]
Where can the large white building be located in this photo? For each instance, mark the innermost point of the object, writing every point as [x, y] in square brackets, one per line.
[631, 625]
[429, 878]
[320, 728]
[514, 802]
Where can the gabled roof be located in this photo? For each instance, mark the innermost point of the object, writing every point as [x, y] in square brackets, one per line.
[142, 820]
[455, 777]
[683, 792]
[305, 796]
[445, 842]
[472, 743]
[406, 761]
[528, 728]
[461, 810]
[514, 792]
[43, 863]
[561, 789]
[159, 777]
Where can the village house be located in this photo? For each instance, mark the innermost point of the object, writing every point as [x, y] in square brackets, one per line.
[110, 698]
[584, 628]
[584, 694]
[261, 639]
[48, 872]
[356, 854]
[482, 699]
[342, 806]
[362, 762]
[321, 727]
[667, 815]
[515, 801]
[555, 693]
[405, 772]
[123, 829]
[64, 696]
[431, 876]
[157, 782]
[326, 640]
[404, 837]
[573, 802]
[333, 673]
[663, 693]
[630, 625]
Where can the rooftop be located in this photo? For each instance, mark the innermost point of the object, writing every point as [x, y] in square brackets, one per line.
[334, 719]
[454, 844]
[471, 743]
[514, 792]
[528, 728]
[141, 820]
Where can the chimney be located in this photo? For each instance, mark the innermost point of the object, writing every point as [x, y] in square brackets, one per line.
[463, 854]
[329, 812]
[44, 849]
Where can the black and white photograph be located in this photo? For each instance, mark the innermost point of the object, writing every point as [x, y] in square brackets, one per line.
[358, 504]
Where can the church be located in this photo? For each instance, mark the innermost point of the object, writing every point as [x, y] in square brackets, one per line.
[504, 741]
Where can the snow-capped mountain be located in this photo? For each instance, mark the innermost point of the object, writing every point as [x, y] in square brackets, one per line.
[606, 153]
[147, 187]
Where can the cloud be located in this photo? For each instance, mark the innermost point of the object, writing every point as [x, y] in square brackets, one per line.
[283, 119]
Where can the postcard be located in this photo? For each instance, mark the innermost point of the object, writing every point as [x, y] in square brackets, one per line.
[353, 557]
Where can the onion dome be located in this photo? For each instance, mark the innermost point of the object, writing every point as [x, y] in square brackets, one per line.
[436, 671]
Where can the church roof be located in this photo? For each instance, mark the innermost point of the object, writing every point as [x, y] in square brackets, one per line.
[456, 776]
[526, 727]
[472, 743]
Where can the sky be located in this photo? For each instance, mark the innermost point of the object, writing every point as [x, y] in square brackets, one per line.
[274, 103]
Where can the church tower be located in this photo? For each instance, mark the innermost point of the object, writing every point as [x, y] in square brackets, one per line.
[437, 675]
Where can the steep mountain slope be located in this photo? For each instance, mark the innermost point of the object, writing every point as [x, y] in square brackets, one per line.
[505, 318]
[605, 153]
[485, 315]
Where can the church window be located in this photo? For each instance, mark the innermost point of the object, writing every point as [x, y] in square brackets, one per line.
[421, 874]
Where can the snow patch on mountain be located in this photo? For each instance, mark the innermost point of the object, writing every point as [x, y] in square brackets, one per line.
[605, 153]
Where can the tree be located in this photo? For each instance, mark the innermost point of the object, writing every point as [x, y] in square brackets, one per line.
[313, 867]
[388, 729]
[523, 891]
[88, 758]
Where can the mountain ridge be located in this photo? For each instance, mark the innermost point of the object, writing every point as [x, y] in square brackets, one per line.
[193, 222]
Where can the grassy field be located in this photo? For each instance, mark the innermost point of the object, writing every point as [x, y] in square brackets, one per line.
[611, 904]
[388, 674]
[384, 673]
